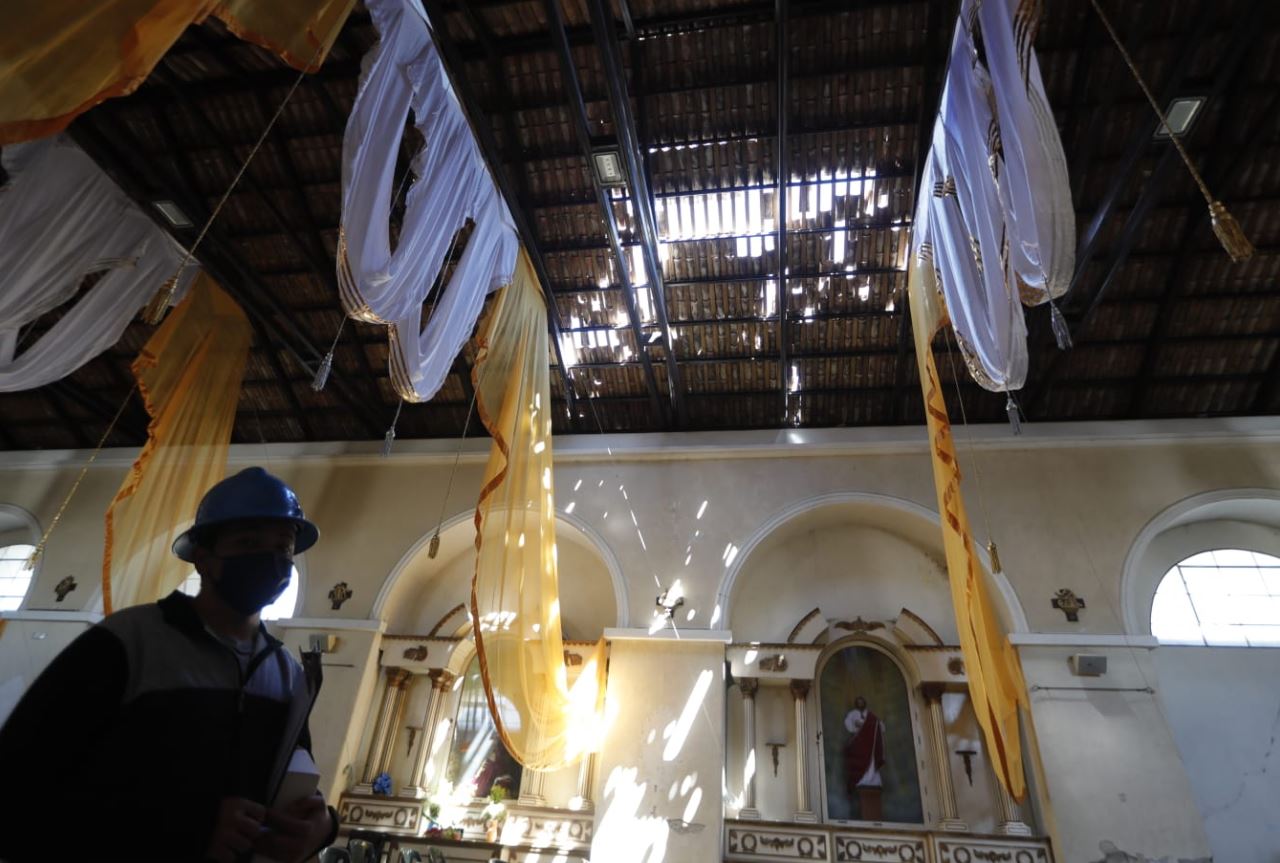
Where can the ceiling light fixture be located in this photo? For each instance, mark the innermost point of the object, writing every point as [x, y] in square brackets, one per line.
[609, 169]
[172, 213]
[1181, 115]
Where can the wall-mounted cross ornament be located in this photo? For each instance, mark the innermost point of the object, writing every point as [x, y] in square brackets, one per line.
[1069, 604]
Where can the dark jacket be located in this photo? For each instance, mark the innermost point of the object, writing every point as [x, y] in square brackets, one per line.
[125, 745]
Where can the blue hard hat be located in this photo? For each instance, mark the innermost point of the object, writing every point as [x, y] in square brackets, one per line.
[251, 494]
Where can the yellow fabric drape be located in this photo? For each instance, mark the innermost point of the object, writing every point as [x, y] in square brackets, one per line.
[189, 373]
[59, 58]
[544, 721]
[996, 687]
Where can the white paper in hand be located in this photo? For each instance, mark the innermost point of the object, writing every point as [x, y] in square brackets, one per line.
[300, 780]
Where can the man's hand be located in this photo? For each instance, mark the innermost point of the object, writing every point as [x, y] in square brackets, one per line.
[296, 830]
[238, 827]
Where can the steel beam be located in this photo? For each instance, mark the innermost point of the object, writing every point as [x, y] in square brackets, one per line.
[578, 112]
[1229, 64]
[605, 31]
[782, 167]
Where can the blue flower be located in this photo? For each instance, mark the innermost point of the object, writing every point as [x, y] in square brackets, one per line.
[382, 783]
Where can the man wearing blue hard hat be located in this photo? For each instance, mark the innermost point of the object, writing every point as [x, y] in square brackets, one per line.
[164, 732]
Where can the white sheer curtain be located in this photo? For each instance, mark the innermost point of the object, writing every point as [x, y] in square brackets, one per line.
[403, 73]
[61, 218]
[995, 216]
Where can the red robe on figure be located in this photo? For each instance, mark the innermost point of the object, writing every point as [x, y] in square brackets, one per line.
[860, 750]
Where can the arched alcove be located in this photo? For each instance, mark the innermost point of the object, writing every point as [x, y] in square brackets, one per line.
[852, 555]
[422, 590]
[1247, 518]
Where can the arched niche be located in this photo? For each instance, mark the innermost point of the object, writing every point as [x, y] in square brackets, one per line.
[422, 591]
[1247, 518]
[853, 555]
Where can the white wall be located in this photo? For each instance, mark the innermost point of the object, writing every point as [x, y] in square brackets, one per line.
[1112, 769]
[1223, 704]
[1065, 504]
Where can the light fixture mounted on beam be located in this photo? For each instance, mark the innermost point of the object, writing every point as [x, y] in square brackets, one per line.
[608, 166]
[1181, 115]
[172, 213]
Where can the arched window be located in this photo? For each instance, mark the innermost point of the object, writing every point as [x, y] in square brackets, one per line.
[478, 756]
[283, 607]
[870, 768]
[1221, 597]
[15, 578]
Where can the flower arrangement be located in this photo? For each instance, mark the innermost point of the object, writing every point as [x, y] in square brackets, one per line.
[382, 784]
[495, 812]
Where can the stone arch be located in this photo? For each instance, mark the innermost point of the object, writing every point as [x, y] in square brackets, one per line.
[457, 537]
[1246, 518]
[919, 522]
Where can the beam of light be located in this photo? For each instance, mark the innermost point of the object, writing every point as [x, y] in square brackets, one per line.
[680, 732]
[623, 835]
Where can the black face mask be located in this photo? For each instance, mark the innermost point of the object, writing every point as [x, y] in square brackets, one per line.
[250, 582]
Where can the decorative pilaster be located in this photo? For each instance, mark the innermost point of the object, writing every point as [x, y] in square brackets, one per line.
[532, 783]
[441, 681]
[950, 820]
[749, 687]
[582, 801]
[389, 719]
[1011, 823]
[385, 711]
[800, 694]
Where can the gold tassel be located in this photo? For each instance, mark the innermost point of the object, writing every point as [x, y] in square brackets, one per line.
[434, 548]
[995, 557]
[1229, 233]
[154, 312]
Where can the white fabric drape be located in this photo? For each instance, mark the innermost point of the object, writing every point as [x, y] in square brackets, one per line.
[995, 215]
[402, 73]
[61, 218]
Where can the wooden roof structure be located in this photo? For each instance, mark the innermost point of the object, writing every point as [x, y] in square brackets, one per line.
[702, 310]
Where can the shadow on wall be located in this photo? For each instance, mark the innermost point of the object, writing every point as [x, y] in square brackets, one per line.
[626, 831]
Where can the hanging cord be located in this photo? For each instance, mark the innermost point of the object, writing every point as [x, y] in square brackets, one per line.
[434, 548]
[66, 501]
[390, 437]
[326, 365]
[1225, 226]
[155, 309]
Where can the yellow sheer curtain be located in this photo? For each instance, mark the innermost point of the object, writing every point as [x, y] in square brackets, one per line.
[545, 722]
[996, 687]
[189, 373]
[59, 58]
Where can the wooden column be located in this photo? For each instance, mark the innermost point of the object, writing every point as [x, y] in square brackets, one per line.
[800, 693]
[749, 687]
[950, 820]
[1011, 823]
[393, 680]
[389, 718]
[582, 801]
[532, 783]
[441, 681]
